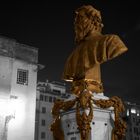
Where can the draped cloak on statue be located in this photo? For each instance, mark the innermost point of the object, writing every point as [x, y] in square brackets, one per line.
[84, 62]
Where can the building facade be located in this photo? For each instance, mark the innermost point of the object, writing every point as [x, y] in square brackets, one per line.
[47, 93]
[18, 78]
[133, 121]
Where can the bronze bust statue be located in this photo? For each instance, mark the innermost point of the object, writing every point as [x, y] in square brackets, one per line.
[82, 68]
[93, 48]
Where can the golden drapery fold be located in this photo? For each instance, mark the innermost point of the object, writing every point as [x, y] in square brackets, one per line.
[84, 62]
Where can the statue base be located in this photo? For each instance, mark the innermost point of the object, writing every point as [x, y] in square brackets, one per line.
[101, 125]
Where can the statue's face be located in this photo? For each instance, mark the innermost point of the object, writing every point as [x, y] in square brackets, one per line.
[80, 22]
[82, 25]
[80, 18]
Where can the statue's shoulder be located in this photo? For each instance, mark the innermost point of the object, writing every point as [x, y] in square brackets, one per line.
[111, 38]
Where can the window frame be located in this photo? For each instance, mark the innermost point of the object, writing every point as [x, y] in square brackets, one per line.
[43, 135]
[22, 76]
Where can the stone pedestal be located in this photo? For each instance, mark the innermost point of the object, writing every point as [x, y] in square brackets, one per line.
[101, 126]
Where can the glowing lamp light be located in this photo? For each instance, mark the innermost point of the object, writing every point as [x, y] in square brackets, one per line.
[14, 108]
[17, 107]
[3, 107]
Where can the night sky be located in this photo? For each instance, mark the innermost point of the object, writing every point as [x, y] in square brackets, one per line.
[49, 27]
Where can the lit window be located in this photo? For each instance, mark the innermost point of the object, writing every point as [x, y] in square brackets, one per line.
[127, 113]
[138, 112]
[43, 135]
[133, 110]
[22, 77]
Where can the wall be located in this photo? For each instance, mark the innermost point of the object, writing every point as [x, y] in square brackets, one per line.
[23, 125]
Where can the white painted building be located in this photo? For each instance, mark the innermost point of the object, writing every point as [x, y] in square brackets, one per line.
[47, 93]
[18, 76]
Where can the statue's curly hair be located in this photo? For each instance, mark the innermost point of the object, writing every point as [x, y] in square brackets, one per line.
[87, 19]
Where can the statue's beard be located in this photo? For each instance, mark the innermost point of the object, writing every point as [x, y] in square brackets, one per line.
[82, 28]
[79, 34]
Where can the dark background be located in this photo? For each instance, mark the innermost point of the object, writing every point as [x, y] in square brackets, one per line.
[49, 27]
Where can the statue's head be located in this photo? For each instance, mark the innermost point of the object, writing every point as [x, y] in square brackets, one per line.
[87, 19]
